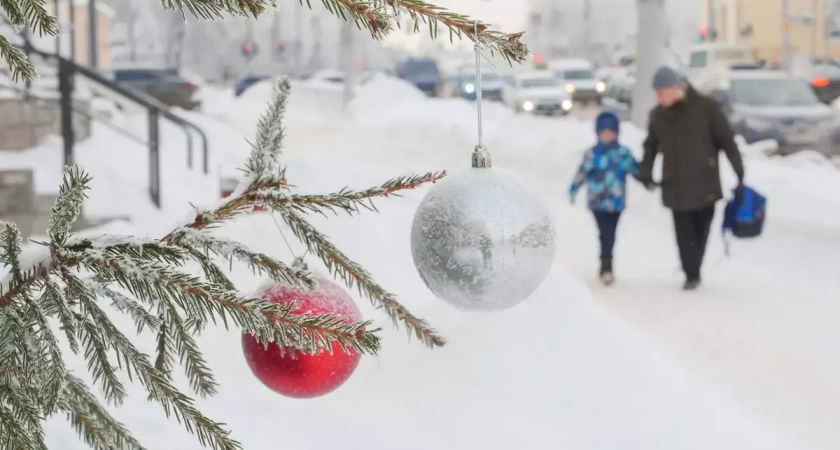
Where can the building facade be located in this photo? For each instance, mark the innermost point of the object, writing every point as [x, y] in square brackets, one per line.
[761, 25]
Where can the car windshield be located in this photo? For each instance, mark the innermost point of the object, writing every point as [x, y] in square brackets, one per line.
[529, 83]
[485, 77]
[421, 67]
[826, 70]
[577, 74]
[772, 92]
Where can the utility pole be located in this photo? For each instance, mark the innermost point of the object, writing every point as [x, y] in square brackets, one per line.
[650, 54]
[815, 25]
[298, 41]
[93, 60]
[787, 44]
[132, 31]
[587, 23]
[347, 55]
[57, 14]
[711, 29]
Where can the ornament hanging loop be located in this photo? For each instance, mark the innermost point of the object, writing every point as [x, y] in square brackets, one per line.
[480, 156]
[300, 264]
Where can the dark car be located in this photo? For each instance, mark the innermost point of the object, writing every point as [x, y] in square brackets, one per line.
[166, 85]
[825, 81]
[464, 86]
[764, 105]
[422, 73]
[243, 84]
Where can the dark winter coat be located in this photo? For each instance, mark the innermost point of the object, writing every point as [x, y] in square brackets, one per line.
[690, 136]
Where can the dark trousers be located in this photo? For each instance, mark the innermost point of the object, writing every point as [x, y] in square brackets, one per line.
[607, 226]
[692, 230]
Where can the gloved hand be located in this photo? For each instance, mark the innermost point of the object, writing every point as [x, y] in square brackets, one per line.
[739, 194]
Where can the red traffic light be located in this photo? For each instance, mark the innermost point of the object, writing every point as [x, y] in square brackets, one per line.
[703, 31]
[247, 48]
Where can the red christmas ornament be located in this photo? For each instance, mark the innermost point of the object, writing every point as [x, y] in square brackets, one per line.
[305, 376]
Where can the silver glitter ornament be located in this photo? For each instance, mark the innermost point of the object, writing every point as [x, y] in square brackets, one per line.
[482, 241]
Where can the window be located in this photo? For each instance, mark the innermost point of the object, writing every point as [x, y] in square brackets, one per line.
[731, 54]
[772, 92]
[134, 75]
[577, 75]
[699, 59]
[538, 83]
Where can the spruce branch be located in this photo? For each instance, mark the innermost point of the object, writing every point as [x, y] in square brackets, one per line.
[99, 327]
[377, 16]
[347, 200]
[258, 263]
[264, 160]
[68, 204]
[92, 421]
[355, 276]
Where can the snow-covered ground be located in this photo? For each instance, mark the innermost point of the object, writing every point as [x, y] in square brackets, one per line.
[748, 362]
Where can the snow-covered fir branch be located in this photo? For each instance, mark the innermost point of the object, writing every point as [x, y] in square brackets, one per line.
[347, 200]
[257, 262]
[355, 275]
[264, 161]
[68, 204]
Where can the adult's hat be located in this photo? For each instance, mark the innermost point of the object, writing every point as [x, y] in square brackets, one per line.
[666, 77]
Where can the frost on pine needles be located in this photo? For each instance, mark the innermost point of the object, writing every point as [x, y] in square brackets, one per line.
[80, 283]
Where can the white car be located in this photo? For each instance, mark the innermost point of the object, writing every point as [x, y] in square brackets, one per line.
[579, 79]
[536, 93]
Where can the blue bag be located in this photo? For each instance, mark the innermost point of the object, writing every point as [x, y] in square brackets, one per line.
[747, 219]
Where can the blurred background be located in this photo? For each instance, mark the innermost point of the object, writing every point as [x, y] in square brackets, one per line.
[158, 108]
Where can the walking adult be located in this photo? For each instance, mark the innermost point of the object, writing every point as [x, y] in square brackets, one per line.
[689, 130]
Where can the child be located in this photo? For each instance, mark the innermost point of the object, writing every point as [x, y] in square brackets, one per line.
[604, 170]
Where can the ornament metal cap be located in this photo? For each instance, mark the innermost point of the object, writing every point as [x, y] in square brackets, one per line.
[481, 158]
[299, 263]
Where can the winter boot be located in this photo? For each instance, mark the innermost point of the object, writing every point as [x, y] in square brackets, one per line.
[606, 273]
[691, 284]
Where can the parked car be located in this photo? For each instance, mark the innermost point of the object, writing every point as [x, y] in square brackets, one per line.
[708, 62]
[775, 105]
[578, 78]
[825, 81]
[536, 92]
[619, 95]
[166, 85]
[422, 73]
[463, 85]
[245, 83]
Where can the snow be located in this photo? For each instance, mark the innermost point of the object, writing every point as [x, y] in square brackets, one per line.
[745, 363]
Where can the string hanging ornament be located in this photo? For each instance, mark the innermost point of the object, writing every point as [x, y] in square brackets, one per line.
[481, 240]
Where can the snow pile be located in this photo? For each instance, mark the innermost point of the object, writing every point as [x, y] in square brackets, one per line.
[569, 368]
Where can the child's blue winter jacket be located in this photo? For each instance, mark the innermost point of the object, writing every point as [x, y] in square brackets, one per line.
[605, 168]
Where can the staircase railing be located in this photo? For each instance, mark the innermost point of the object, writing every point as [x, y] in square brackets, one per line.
[67, 71]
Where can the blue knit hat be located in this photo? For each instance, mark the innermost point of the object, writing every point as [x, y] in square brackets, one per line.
[666, 77]
[607, 120]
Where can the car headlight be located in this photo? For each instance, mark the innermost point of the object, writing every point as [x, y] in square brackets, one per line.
[600, 86]
[570, 88]
[566, 104]
[528, 106]
[469, 88]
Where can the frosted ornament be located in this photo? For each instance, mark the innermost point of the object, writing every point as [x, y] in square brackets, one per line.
[482, 241]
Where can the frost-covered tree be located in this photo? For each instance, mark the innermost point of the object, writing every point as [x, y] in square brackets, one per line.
[69, 288]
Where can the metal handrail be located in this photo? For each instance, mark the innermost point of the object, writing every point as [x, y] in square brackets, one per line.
[140, 98]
